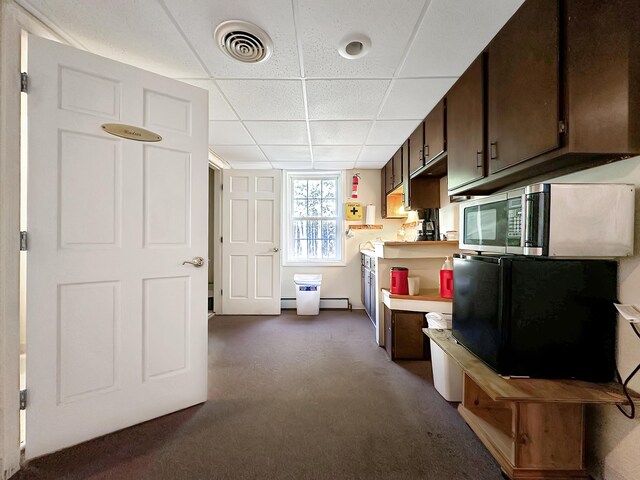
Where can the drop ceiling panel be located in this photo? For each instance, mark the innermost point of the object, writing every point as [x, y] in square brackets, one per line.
[286, 153]
[414, 98]
[219, 108]
[345, 99]
[199, 18]
[137, 33]
[234, 154]
[391, 132]
[279, 133]
[229, 133]
[250, 166]
[292, 165]
[377, 153]
[452, 35]
[370, 165]
[325, 24]
[339, 133]
[335, 154]
[333, 165]
[265, 99]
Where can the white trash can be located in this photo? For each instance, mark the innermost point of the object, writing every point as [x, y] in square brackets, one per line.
[447, 375]
[307, 293]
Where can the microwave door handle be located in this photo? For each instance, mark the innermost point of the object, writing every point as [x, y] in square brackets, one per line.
[523, 221]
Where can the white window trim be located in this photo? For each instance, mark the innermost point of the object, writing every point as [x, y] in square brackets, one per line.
[287, 227]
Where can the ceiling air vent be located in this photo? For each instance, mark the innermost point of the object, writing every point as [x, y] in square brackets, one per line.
[243, 41]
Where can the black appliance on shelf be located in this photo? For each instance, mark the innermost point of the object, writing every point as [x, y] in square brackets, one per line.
[537, 317]
[428, 225]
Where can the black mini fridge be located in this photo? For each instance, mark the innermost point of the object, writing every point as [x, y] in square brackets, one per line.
[537, 317]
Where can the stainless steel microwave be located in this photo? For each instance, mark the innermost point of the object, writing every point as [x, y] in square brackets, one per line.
[552, 219]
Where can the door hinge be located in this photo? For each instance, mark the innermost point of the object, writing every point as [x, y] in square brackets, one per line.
[220, 291]
[562, 127]
[23, 399]
[24, 82]
[222, 186]
[23, 241]
[221, 239]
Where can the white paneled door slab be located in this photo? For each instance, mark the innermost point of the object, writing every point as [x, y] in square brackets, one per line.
[251, 242]
[116, 323]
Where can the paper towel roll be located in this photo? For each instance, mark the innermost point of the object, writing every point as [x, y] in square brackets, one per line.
[370, 218]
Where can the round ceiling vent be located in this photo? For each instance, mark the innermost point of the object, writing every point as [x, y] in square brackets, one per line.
[354, 46]
[243, 41]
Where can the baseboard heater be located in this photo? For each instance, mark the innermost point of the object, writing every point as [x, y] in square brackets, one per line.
[325, 304]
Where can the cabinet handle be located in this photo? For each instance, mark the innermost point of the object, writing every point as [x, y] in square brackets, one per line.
[479, 159]
[421, 156]
[494, 150]
[426, 151]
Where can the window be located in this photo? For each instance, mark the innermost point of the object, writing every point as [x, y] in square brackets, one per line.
[314, 220]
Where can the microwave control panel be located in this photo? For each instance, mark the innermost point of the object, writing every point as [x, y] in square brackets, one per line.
[514, 221]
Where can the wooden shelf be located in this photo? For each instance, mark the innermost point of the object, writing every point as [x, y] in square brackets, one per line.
[365, 227]
[523, 389]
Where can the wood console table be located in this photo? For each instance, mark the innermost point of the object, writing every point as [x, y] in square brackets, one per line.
[533, 427]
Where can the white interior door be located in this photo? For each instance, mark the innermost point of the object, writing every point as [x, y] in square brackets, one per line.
[251, 242]
[116, 324]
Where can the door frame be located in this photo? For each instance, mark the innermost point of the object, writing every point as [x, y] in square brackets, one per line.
[216, 165]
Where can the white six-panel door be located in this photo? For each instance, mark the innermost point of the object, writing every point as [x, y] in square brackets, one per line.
[116, 324]
[251, 242]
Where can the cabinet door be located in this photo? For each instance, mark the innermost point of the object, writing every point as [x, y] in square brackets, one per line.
[523, 90]
[408, 338]
[373, 305]
[362, 285]
[367, 291]
[388, 331]
[434, 142]
[388, 176]
[465, 127]
[396, 161]
[406, 189]
[416, 144]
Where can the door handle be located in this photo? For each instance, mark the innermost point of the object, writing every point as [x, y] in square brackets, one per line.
[196, 262]
[479, 159]
[276, 249]
[494, 150]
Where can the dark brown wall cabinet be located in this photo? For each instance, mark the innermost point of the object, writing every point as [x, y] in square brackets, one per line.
[561, 95]
[434, 132]
[404, 339]
[416, 146]
[396, 162]
[465, 127]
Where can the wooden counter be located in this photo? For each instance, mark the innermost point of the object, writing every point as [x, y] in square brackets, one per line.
[533, 427]
[428, 301]
[437, 249]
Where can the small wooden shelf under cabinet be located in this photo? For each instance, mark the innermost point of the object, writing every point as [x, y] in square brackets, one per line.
[534, 428]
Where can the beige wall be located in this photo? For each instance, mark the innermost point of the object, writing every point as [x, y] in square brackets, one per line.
[613, 440]
[344, 281]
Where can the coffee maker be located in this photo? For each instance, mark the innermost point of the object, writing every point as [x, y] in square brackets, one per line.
[428, 225]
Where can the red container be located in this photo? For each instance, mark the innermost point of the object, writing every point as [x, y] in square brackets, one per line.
[446, 283]
[400, 281]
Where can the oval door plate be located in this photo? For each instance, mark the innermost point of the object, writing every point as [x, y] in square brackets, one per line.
[131, 132]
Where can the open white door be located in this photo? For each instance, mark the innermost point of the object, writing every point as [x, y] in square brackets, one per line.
[116, 324]
[251, 242]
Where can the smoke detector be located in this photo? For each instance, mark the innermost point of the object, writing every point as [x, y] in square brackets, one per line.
[354, 46]
[243, 41]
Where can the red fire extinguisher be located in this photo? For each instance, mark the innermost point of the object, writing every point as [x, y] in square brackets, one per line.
[354, 186]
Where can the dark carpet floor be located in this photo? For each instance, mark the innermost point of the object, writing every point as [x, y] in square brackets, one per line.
[293, 398]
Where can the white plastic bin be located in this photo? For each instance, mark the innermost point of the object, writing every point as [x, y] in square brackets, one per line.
[447, 375]
[307, 293]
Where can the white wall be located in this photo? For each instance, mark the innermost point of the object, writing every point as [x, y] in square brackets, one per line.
[344, 281]
[613, 440]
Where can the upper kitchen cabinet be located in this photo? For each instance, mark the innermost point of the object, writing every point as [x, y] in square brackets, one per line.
[406, 180]
[434, 135]
[523, 86]
[416, 145]
[396, 161]
[387, 177]
[465, 127]
[562, 81]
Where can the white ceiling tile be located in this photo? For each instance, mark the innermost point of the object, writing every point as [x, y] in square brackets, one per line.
[332, 165]
[199, 19]
[249, 166]
[325, 24]
[287, 153]
[293, 165]
[393, 132]
[229, 133]
[377, 153]
[345, 99]
[219, 108]
[339, 133]
[370, 165]
[235, 154]
[335, 154]
[453, 34]
[265, 99]
[279, 133]
[414, 98]
[138, 33]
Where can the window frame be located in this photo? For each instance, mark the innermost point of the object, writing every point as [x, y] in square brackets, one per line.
[287, 225]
